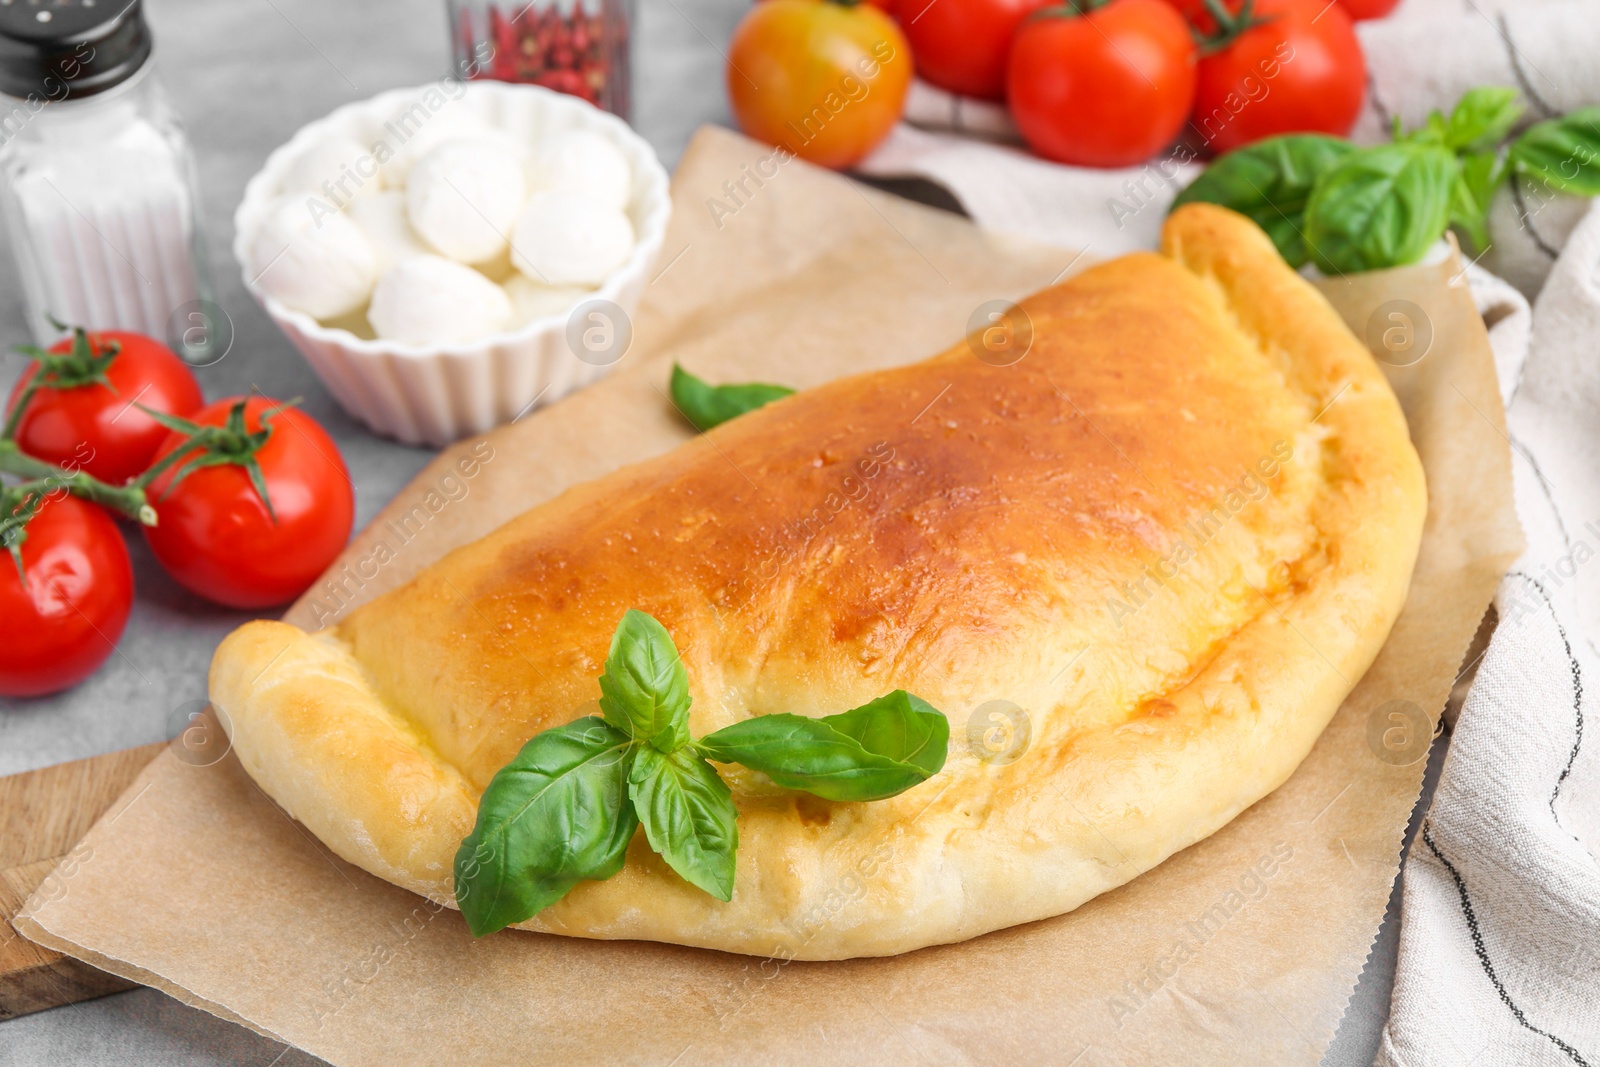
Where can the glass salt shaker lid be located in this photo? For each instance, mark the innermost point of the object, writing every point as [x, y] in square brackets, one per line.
[70, 48]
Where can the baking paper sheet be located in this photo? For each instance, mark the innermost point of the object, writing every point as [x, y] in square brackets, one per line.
[1241, 949]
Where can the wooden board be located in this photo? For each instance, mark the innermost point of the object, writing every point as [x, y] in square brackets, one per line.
[43, 814]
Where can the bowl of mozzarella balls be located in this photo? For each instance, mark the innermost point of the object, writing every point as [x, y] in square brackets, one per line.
[448, 257]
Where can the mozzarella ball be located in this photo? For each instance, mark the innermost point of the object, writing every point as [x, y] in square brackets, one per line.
[582, 161]
[464, 196]
[430, 300]
[534, 301]
[382, 218]
[312, 258]
[521, 149]
[339, 169]
[570, 239]
[415, 131]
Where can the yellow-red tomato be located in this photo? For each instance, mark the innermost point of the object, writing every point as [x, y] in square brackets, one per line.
[824, 79]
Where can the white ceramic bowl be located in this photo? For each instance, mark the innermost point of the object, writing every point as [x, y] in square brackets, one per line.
[437, 394]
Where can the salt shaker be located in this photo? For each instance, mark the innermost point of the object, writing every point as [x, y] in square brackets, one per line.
[579, 47]
[97, 183]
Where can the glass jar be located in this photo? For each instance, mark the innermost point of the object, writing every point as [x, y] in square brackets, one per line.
[97, 182]
[580, 47]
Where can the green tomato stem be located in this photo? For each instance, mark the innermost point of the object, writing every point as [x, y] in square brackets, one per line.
[129, 500]
[14, 420]
[182, 451]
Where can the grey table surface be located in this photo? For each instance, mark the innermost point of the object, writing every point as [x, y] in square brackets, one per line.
[245, 74]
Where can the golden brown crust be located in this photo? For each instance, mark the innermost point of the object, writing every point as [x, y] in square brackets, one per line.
[1175, 533]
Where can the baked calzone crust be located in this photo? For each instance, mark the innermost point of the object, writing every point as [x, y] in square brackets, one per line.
[1139, 569]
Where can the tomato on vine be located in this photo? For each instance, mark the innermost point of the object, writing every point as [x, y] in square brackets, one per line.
[1368, 9]
[79, 405]
[66, 589]
[1277, 66]
[1102, 84]
[252, 500]
[1195, 12]
[962, 45]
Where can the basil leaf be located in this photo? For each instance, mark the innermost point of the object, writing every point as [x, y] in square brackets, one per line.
[644, 691]
[688, 816]
[1563, 153]
[707, 405]
[1269, 182]
[1481, 118]
[900, 726]
[557, 814]
[1432, 131]
[809, 755]
[1475, 187]
[876, 751]
[1380, 207]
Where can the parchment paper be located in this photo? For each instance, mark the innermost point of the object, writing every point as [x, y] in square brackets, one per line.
[1241, 949]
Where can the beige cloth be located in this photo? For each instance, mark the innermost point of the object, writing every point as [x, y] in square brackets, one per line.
[1500, 925]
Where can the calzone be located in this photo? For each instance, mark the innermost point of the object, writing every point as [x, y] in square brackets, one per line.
[1138, 556]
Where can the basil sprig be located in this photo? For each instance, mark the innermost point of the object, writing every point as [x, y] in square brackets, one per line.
[566, 807]
[706, 405]
[1269, 182]
[1350, 208]
[1380, 206]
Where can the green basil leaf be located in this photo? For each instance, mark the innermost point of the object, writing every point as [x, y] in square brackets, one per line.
[900, 726]
[557, 814]
[644, 691]
[688, 816]
[1480, 177]
[707, 405]
[807, 754]
[1563, 153]
[873, 752]
[1433, 131]
[1269, 182]
[1482, 118]
[1380, 207]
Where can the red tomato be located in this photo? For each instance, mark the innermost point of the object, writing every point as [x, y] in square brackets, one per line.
[1106, 89]
[214, 533]
[1195, 11]
[61, 625]
[97, 429]
[961, 45]
[1300, 71]
[1368, 9]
